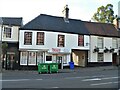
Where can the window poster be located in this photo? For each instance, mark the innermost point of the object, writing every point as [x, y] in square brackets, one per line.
[32, 58]
[23, 58]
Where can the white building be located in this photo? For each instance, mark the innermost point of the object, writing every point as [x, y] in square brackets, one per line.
[49, 39]
[104, 43]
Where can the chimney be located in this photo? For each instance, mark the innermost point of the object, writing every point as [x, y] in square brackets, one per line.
[116, 22]
[66, 13]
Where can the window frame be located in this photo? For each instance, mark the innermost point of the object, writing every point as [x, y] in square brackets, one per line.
[98, 58]
[98, 43]
[23, 58]
[6, 33]
[114, 45]
[61, 43]
[29, 40]
[80, 40]
[40, 39]
[31, 57]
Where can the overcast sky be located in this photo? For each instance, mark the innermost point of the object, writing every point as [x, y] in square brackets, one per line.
[29, 9]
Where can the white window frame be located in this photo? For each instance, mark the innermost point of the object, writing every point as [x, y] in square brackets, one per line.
[6, 31]
[114, 43]
[32, 58]
[39, 57]
[23, 58]
[100, 58]
[100, 44]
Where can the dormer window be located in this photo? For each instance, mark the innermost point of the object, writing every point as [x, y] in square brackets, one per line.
[7, 32]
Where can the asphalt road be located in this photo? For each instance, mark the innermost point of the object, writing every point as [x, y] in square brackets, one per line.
[80, 78]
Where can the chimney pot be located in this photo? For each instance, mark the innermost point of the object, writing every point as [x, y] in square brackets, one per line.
[66, 13]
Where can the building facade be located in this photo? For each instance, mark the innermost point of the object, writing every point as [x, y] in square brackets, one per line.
[51, 47]
[9, 36]
[104, 44]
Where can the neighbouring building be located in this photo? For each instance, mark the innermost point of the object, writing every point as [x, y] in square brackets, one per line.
[9, 35]
[104, 43]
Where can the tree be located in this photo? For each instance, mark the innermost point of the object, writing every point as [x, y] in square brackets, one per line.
[104, 14]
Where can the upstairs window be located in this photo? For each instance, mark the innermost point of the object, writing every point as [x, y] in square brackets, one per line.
[114, 43]
[80, 40]
[28, 38]
[7, 32]
[40, 38]
[61, 40]
[100, 43]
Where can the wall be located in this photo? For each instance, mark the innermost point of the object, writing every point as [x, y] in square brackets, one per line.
[71, 41]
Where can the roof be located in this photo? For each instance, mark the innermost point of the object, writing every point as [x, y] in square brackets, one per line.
[56, 24]
[16, 21]
[102, 29]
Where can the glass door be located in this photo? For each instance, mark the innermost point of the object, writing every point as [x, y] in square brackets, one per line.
[60, 61]
[10, 61]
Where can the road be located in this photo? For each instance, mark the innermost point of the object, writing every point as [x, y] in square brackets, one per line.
[86, 78]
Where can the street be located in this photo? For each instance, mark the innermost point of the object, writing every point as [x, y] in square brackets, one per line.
[78, 78]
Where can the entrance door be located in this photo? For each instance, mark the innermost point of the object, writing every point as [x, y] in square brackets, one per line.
[10, 61]
[114, 59]
[60, 61]
[81, 61]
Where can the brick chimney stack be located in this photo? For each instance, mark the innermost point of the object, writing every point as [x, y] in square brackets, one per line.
[66, 13]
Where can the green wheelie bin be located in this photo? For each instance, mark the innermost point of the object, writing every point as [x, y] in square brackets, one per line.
[53, 67]
[43, 68]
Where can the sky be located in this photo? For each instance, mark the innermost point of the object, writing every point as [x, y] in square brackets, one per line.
[29, 9]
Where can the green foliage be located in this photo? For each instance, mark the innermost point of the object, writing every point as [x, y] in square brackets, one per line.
[4, 47]
[104, 14]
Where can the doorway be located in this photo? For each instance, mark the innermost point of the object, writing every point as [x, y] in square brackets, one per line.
[10, 61]
[114, 58]
[60, 61]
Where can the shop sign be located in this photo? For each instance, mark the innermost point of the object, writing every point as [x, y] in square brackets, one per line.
[55, 50]
[58, 50]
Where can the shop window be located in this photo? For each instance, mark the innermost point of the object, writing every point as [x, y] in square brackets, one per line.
[39, 57]
[80, 40]
[48, 58]
[7, 32]
[40, 38]
[23, 58]
[100, 57]
[28, 38]
[61, 40]
[65, 59]
[32, 58]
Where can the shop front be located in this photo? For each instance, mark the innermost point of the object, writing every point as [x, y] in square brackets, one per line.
[61, 56]
[29, 59]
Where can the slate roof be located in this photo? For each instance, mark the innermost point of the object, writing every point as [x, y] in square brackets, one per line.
[16, 21]
[56, 24]
[101, 29]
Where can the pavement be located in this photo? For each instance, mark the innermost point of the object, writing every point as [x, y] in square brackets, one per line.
[76, 69]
